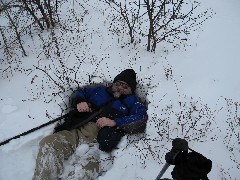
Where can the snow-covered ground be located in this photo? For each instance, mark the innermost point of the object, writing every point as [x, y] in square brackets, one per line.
[205, 77]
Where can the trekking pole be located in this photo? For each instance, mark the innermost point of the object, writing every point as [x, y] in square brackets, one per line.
[36, 128]
[165, 167]
[178, 145]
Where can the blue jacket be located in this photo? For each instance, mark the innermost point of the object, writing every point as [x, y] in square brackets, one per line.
[124, 110]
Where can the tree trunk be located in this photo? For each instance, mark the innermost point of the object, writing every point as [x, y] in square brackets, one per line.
[33, 15]
[45, 17]
[6, 47]
[151, 30]
[17, 33]
[50, 12]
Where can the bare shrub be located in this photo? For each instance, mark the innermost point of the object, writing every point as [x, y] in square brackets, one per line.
[127, 19]
[167, 20]
[22, 19]
[232, 137]
[188, 118]
[62, 57]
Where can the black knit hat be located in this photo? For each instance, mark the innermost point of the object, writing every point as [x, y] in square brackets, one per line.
[128, 76]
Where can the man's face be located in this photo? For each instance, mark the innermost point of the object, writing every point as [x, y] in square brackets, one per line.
[121, 87]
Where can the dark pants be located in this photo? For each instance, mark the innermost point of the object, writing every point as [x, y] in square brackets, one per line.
[109, 137]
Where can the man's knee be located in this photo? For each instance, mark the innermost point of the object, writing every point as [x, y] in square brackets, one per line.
[48, 140]
[56, 140]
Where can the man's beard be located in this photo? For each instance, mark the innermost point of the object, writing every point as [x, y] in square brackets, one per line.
[117, 94]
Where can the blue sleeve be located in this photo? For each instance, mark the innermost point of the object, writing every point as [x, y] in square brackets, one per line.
[137, 112]
[97, 96]
[84, 94]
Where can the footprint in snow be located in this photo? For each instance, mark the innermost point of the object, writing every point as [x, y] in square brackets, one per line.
[6, 109]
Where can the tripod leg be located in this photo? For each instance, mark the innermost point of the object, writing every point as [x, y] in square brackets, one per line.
[165, 167]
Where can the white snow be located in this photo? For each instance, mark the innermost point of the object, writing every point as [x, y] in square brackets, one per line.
[205, 76]
[8, 109]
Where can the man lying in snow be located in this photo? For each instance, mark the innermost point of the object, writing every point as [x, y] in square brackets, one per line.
[119, 108]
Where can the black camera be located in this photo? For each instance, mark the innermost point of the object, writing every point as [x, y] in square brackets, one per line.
[179, 147]
[188, 165]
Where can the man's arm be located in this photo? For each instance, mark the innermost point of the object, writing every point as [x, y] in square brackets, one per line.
[103, 121]
[82, 95]
[137, 112]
